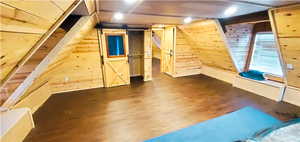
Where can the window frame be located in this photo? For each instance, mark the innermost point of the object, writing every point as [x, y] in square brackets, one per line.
[251, 54]
[107, 45]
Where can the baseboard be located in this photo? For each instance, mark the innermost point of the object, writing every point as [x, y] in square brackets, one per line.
[187, 73]
[219, 74]
[73, 90]
[292, 95]
[268, 89]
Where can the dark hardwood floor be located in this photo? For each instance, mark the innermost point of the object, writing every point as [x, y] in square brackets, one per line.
[144, 110]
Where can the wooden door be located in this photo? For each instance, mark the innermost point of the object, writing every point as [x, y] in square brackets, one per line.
[167, 53]
[115, 57]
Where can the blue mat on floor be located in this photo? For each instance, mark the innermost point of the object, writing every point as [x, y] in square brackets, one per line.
[237, 125]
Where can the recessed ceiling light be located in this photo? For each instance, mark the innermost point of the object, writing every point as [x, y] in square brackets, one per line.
[118, 16]
[230, 11]
[130, 1]
[187, 20]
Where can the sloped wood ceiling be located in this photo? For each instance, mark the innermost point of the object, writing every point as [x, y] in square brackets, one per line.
[286, 22]
[22, 25]
[47, 67]
[207, 39]
[30, 65]
[56, 71]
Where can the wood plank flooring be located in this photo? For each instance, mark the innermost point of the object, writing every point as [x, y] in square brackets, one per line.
[143, 110]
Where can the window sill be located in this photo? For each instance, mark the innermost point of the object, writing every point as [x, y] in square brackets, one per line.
[269, 89]
[266, 82]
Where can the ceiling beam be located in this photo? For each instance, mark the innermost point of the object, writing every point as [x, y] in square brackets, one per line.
[249, 18]
[148, 14]
[133, 18]
[253, 3]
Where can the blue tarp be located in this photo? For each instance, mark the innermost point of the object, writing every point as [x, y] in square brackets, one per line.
[253, 74]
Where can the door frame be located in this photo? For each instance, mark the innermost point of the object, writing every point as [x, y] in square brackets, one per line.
[161, 44]
[105, 57]
[171, 73]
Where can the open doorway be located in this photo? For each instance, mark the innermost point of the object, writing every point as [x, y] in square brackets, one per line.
[157, 36]
[136, 55]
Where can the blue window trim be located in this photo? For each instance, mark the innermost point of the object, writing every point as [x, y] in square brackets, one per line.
[107, 46]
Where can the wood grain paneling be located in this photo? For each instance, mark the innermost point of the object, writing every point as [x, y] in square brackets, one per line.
[13, 47]
[56, 57]
[25, 26]
[239, 37]
[156, 43]
[82, 70]
[147, 55]
[155, 51]
[30, 65]
[44, 9]
[206, 40]
[187, 62]
[287, 21]
[16, 20]
[90, 4]
[286, 24]
[77, 65]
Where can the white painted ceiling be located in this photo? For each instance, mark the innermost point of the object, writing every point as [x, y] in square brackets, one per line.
[196, 8]
[182, 8]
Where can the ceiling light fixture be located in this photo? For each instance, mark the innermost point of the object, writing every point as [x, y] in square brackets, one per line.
[130, 1]
[230, 11]
[187, 20]
[118, 16]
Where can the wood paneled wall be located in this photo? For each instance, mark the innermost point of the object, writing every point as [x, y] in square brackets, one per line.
[82, 69]
[80, 33]
[156, 51]
[286, 23]
[22, 25]
[207, 40]
[239, 37]
[30, 65]
[78, 65]
[187, 62]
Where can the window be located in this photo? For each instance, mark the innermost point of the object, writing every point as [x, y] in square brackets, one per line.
[265, 57]
[115, 45]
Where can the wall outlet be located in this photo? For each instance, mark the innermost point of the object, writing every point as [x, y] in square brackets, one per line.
[289, 66]
[66, 79]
